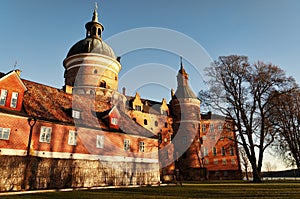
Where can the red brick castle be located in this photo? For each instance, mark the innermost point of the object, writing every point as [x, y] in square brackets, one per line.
[88, 134]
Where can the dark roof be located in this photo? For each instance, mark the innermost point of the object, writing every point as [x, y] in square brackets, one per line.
[209, 115]
[128, 125]
[45, 102]
[91, 45]
[184, 92]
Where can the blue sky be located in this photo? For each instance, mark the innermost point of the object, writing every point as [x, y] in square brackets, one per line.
[38, 34]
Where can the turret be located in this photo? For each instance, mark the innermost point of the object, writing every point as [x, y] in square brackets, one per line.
[91, 65]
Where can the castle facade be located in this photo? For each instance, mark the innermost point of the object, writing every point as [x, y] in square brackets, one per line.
[89, 134]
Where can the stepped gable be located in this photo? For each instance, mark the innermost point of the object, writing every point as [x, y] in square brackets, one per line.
[154, 105]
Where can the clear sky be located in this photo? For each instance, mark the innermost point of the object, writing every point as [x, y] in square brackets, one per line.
[38, 34]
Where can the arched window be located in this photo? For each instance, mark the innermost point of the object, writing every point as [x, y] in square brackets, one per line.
[145, 122]
[94, 31]
[103, 84]
[95, 71]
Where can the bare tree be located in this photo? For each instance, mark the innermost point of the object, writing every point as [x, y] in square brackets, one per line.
[270, 167]
[244, 162]
[242, 92]
[286, 122]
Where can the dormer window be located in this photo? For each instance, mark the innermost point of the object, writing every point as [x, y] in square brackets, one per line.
[76, 114]
[3, 97]
[14, 100]
[114, 121]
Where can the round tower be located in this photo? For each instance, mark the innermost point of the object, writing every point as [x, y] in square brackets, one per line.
[91, 65]
[185, 108]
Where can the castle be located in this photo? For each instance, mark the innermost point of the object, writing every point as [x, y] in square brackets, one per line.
[88, 134]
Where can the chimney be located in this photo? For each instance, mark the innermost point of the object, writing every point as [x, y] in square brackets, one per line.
[68, 89]
[124, 91]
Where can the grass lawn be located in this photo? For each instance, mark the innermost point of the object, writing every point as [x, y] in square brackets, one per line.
[221, 189]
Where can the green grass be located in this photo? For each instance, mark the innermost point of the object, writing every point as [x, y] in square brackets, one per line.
[220, 189]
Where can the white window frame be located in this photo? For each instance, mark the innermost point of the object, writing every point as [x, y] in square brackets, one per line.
[76, 114]
[216, 161]
[72, 139]
[141, 146]
[3, 97]
[206, 161]
[100, 142]
[45, 134]
[14, 99]
[233, 162]
[220, 127]
[204, 128]
[126, 145]
[114, 121]
[224, 161]
[205, 151]
[3, 132]
[211, 128]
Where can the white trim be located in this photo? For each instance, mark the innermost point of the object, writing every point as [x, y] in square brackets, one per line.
[194, 121]
[17, 152]
[18, 77]
[94, 65]
[81, 156]
[102, 59]
[12, 115]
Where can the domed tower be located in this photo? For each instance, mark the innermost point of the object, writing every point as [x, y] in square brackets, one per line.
[185, 108]
[91, 65]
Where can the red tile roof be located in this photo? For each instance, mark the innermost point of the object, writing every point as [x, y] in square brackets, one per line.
[52, 104]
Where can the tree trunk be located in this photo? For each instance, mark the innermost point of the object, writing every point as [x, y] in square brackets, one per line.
[256, 175]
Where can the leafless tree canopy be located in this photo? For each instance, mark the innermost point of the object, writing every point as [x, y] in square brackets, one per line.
[243, 91]
[286, 122]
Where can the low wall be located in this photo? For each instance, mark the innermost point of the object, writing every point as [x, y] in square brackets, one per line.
[27, 173]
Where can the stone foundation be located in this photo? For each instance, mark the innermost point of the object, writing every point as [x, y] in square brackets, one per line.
[27, 173]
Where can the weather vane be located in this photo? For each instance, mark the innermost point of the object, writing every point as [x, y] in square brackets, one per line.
[15, 65]
[96, 6]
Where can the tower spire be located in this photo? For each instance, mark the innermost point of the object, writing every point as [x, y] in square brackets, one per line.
[182, 70]
[95, 14]
[181, 65]
[94, 28]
